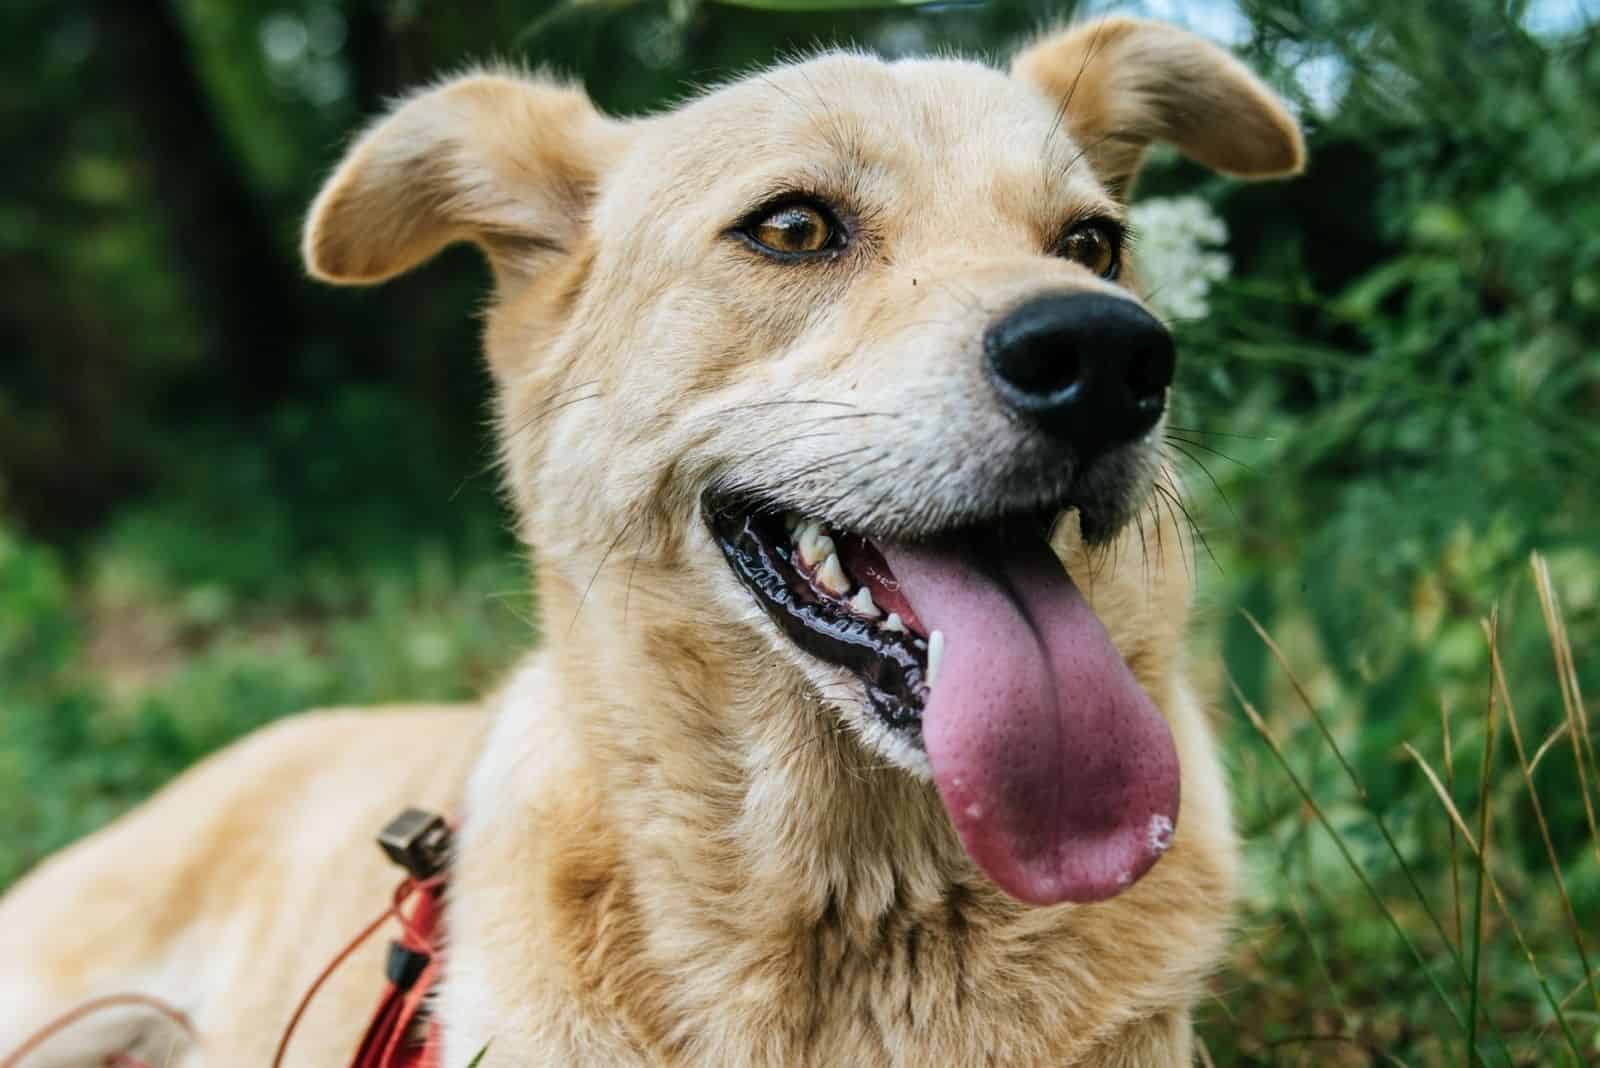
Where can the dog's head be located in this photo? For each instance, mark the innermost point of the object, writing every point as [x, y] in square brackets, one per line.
[827, 353]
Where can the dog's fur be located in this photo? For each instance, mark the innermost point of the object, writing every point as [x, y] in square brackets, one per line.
[684, 842]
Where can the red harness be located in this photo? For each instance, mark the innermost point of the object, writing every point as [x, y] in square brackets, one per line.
[403, 1033]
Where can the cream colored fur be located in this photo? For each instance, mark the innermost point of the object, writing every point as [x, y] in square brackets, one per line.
[684, 842]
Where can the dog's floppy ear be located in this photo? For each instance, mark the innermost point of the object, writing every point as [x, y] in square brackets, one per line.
[1122, 83]
[505, 161]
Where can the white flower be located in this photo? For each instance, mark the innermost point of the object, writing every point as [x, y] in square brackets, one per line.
[1179, 254]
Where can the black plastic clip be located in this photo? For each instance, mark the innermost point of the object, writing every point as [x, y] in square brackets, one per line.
[418, 841]
[405, 966]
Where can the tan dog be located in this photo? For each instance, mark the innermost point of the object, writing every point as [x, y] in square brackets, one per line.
[825, 760]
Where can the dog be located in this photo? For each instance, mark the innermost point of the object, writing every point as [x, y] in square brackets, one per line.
[832, 416]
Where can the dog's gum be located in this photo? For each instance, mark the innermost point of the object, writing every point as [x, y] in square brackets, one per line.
[892, 664]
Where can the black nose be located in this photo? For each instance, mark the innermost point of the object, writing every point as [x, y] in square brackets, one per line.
[1088, 368]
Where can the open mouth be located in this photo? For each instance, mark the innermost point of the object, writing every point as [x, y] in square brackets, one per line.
[1058, 772]
[835, 596]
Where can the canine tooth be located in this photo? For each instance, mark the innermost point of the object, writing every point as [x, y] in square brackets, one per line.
[815, 546]
[894, 622]
[935, 655]
[830, 576]
[863, 604]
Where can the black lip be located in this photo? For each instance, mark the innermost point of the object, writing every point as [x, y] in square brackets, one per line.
[892, 666]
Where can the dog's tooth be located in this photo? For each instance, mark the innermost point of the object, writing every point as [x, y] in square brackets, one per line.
[792, 521]
[815, 546]
[894, 622]
[863, 604]
[935, 655]
[831, 576]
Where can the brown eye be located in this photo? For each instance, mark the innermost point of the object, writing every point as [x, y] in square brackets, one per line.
[794, 230]
[1097, 245]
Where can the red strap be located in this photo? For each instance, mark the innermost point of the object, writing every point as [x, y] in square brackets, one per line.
[392, 1040]
[388, 1042]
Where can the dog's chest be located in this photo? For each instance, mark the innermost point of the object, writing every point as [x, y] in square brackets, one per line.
[938, 984]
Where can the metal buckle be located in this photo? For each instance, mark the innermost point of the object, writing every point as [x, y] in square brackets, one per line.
[417, 841]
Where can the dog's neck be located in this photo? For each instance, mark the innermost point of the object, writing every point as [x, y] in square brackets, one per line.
[692, 828]
[729, 816]
[704, 833]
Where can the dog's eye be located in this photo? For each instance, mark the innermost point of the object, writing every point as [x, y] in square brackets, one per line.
[1097, 244]
[796, 229]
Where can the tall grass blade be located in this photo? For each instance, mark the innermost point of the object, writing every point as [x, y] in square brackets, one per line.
[1305, 700]
[1482, 851]
[1457, 822]
[1548, 744]
[1344, 851]
[1445, 799]
[1498, 672]
[1571, 695]
[1361, 793]
[1450, 783]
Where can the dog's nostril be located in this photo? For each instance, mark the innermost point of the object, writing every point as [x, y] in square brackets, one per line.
[1038, 364]
[1150, 372]
[1089, 368]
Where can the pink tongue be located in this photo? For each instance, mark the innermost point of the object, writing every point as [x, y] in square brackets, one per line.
[1057, 770]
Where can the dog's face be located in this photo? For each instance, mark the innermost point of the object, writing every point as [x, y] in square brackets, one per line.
[838, 345]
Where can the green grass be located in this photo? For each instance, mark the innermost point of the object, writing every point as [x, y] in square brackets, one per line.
[82, 742]
[1374, 928]
[1377, 930]
[215, 607]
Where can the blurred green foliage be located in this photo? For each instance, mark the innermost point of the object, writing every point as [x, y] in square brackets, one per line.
[226, 495]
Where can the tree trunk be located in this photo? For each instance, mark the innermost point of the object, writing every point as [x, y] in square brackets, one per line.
[240, 280]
